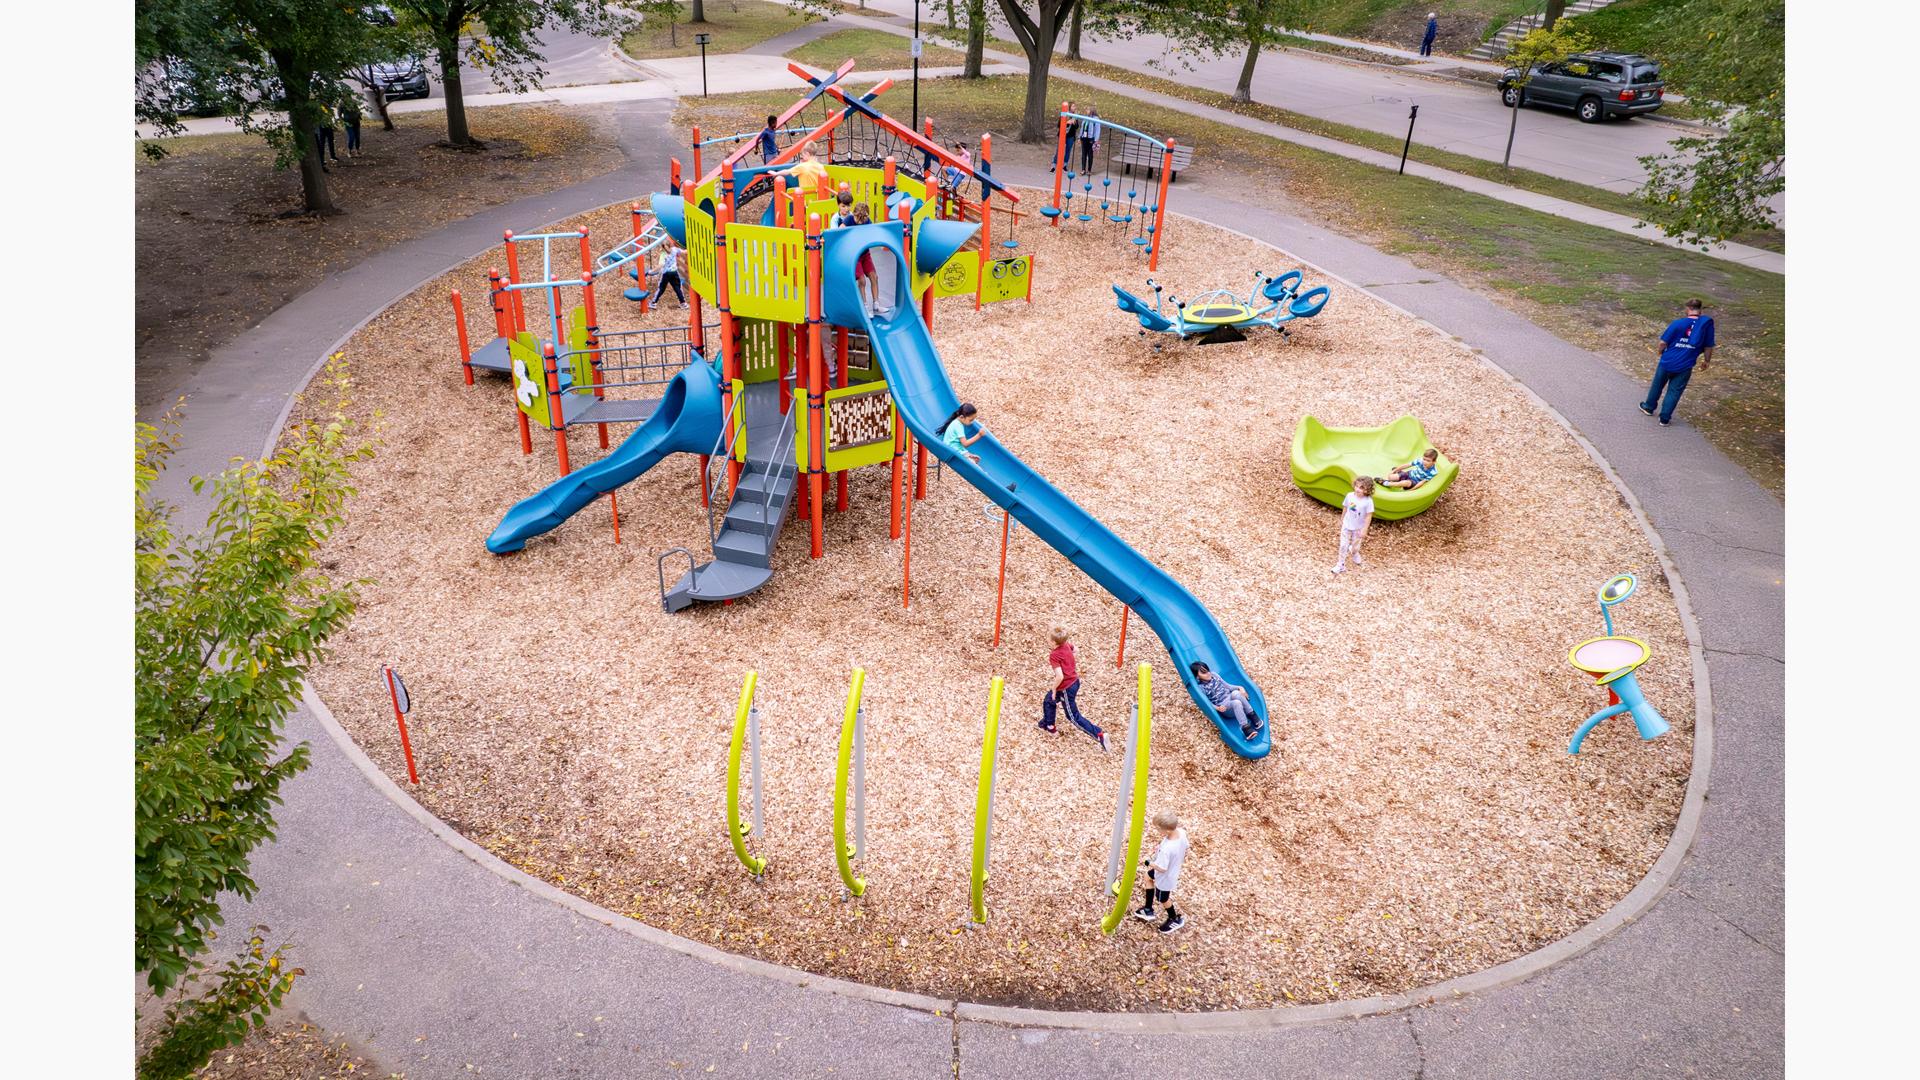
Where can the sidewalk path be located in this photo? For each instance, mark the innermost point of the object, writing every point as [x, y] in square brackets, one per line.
[437, 960]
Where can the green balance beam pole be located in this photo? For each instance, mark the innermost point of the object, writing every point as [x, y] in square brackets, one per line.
[1131, 865]
[842, 852]
[983, 799]
[737, 829]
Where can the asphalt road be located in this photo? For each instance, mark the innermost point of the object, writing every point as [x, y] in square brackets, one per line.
[571, 60]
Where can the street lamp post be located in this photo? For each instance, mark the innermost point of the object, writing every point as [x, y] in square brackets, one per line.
[701, 40]
[916, 65]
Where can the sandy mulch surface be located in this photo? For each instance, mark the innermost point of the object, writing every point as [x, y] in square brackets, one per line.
[1419, 819]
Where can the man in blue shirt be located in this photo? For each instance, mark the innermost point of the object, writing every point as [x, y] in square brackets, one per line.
[1686, 342]
[1433, 31]
[769, 141]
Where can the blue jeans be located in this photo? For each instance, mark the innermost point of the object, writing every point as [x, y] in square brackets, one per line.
[1070, 697]
[1674, 383]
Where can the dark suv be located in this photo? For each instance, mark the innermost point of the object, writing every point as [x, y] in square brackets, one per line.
[1594, 85]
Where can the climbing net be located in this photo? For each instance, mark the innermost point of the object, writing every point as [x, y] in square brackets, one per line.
[1104, 178]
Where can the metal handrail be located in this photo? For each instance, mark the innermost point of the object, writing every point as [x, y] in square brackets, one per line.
[777, 464]
[660, 564]
[723, 450]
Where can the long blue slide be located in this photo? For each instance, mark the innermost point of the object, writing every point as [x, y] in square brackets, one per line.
[925, 397]
[687, 420]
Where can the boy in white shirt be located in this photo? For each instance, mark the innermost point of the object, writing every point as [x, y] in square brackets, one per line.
[1163, 870]
[1356, 514]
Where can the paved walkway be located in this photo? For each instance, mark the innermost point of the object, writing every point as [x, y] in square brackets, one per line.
[437, 960]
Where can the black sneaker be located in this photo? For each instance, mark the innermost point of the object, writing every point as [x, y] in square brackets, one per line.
[1145, 914]
[1644, 409]
[1666, 423]
[1173, 924]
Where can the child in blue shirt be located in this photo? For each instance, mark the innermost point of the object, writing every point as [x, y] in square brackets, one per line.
[954, 431]
[1410, 476]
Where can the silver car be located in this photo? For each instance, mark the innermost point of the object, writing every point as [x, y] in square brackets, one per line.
[1596, 86]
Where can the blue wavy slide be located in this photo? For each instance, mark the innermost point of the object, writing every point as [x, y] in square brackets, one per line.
[687, 420]
[925, 397]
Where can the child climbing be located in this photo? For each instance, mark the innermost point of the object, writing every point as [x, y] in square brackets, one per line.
[1356, 513]
[806, 174]
[954, 431]
[1231, 700]
[1413, 474]
[1163, 870]
[1066, 690]
[864, 275]
[670, 273]
[843, 212]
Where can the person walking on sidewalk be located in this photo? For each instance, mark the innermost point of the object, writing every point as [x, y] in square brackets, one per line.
[1433, 31]
[1687, 343]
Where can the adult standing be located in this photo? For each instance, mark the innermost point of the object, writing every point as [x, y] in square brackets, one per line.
[1433, 31]
[323, 139]
[351, 117]
[1089, 139]
[1067, 137]
[1687, 343]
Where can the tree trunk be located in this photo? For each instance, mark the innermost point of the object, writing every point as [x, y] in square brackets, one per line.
[303, 116]
[1038, 123]
[1243, 90]
[315, 194]
[1256, 27]
[380, 102]
[700, 12]
[1073, 32]
[457, 133]
[1555, 9]
[976, 38]
[952, 6]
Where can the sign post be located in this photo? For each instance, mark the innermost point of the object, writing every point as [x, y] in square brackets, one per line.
[397, 692]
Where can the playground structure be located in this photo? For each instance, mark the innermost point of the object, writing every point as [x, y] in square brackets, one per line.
[1325, 460]
[1126, 203]
[1612, 661]
[1220, 315]
[778, 289]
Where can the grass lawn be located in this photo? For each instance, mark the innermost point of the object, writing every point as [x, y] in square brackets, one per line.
[736, 25]
[1463, 23]
[1599, 289]
[876, 50]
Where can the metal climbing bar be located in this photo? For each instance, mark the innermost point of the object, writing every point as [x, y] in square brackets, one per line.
[852, 757]
[983, 800]
[1139, 741]
[746, 730]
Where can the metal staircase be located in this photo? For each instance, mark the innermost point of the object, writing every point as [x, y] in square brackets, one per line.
[743, 534]
[1495, 47]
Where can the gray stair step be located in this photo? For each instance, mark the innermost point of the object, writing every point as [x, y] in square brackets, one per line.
[751, 515]
[765, 487]
[741, 546]
[715, 581]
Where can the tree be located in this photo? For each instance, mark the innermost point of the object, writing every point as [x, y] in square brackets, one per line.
[1539, 48]
[277, 64]
[1038, 33]
[699, 14]
[1209, 28]
[1730, 58]
[503, 37]
[387, 44]
[976, 38]
[1554, 9]
[226, 624]
[1073, 32]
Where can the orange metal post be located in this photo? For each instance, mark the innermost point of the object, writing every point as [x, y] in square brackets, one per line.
[999, 598]
[515, 300]
[816, 383]
[406, 745]
[1121, 660]
[526, 433]
[1059, 164]
[673, 176]
[986, 223]
[559, 417]
[460, 327]
[1160, 209]
[782, 357]
[593, 340]
[729, 345]
[696, 153]
[613, 501]
[899, 461]
[889, 181]
[906, 564]
[500, 328]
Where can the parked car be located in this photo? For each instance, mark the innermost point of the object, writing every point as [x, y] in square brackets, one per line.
[402, 78]
[1596, 86]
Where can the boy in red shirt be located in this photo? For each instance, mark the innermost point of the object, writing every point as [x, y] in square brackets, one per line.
[1066, 690]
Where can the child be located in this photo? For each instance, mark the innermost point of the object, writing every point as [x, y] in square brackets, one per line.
[954, 431]
[863, 273]
[1066, 690]
[807, 174]
[670, 274]
[1356, 515]
[1163, 870]
[1410, 476]
[843, 213]
[769, 141]
[1231, 700]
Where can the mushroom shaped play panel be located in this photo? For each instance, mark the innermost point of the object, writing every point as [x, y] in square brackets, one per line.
[1326, 459]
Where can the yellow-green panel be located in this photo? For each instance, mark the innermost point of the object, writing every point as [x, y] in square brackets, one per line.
[958, 276]
[860, 426]
[769, 279]
[1007, 279]
[700, 255]
[759, 350]
[579, 359]
[528, 370]
[739, 420]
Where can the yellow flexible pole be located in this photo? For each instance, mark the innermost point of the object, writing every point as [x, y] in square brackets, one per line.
[1130, 866]
[842, 853]
[736, 829]
[983, 799]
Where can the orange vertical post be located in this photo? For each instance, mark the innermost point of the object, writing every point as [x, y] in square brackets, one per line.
[593, 341]
[1160, 208]
[1059, 164]
[559, 412]
[729, 344]
[406, 744]
[840, 381]
[640, 262]
[899, 460]
[500, 327]
[906, 564]
[1121, 660]
[460, 327]
[986, 222]
[515, 300]
[816, 382]
[613, 502]
[999, 597]
[697, 173]
[780, 329]
[673, 176]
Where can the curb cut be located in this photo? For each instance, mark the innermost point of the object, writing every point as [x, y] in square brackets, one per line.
[1620, 915]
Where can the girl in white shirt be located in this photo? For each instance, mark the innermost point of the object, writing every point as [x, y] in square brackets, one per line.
[1356, 514]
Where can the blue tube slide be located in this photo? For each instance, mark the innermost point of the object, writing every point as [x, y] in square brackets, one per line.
[925, 397]
[687, 420]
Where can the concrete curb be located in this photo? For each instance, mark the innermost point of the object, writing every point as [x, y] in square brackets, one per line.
[1615, 918]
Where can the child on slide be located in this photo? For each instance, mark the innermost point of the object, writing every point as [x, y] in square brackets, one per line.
[1412, 475]
[954, 431]
[1231, 700]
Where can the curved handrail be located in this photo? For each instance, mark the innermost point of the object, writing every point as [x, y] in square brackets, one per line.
[983, 799]
[736, 829]
[842, 851]
[1130, 868]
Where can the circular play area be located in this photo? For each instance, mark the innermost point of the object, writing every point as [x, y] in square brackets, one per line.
[1407, 809]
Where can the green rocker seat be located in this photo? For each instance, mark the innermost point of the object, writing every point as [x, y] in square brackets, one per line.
[1325, 461]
